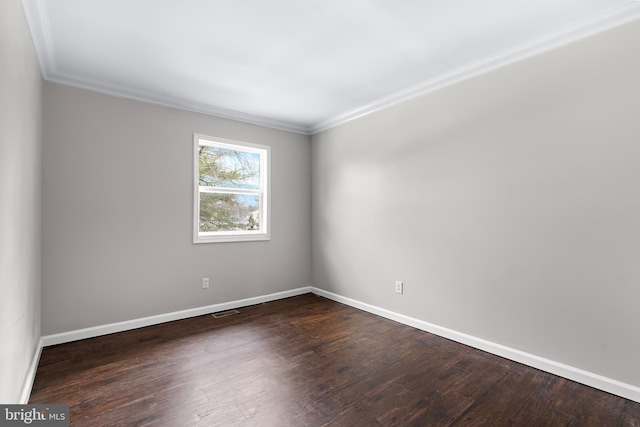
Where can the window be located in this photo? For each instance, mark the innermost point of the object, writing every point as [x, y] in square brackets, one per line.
[231, 197]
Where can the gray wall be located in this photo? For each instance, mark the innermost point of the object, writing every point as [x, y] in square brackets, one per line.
[509, 204]
[117, 213]
[20, 148]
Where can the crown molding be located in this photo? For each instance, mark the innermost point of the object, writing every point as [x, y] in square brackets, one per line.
[594, 24]
[38, 21]
[176, 102]
[39, 24]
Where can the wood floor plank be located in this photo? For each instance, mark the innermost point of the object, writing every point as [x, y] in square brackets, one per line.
[631, 415]
[307, 361]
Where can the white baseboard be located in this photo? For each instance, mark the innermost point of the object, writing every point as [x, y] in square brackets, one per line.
[31, 375]
[609, 385]
[96, 331]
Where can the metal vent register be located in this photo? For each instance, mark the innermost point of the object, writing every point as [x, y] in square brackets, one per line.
[225, 313]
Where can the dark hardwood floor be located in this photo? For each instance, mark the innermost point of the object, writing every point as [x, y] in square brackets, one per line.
[307, 361]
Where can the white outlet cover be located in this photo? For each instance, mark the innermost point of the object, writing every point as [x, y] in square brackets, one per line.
[399, 287]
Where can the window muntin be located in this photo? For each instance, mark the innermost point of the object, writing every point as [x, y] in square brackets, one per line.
[231, 198]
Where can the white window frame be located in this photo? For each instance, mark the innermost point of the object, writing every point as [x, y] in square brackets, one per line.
[264, 232]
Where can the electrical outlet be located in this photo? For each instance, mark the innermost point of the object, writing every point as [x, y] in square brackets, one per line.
[205, 283]
[399, 287]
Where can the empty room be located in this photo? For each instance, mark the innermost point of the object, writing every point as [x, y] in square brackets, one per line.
[310, 213]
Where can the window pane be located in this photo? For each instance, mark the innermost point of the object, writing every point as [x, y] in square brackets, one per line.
[221, 167]
[229, 212]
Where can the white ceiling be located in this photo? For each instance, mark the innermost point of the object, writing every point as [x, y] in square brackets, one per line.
[300, 65]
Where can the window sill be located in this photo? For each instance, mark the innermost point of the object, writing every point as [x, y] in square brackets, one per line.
[253, 237]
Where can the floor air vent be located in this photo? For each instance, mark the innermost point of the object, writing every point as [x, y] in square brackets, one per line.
[225, 313]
